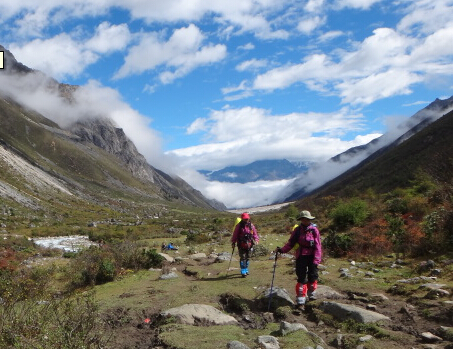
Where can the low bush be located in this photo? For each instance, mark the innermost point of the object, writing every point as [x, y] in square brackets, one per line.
[347, 214]
[338, 244]
[70, 323]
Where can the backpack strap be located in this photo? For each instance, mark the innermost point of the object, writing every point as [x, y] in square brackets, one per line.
[296, 236]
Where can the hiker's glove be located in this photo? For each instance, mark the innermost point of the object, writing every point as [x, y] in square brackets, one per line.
[278, 250]
[233, 244]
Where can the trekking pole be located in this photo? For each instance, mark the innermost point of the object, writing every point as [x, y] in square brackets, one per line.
[230, 260]
[272, 283]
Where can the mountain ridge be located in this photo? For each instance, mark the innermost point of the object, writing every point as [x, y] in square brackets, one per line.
[359, 156]
[265, 170]
[77, 154]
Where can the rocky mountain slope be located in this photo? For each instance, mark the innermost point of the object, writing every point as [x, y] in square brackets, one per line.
[427, 154]
[90, 160]
[353, 159]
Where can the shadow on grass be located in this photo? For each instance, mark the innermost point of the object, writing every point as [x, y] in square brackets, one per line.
[222, 277]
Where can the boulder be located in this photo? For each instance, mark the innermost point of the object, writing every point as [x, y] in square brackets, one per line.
[286, 328]
[236, 345]
[167, 257]
[326, 292]
[347, 311]
[198, 256]
[195, 314]
[268, 342]
[280, 297]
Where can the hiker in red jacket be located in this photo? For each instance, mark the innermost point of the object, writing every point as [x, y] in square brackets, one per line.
[245, 236]
[306, 239]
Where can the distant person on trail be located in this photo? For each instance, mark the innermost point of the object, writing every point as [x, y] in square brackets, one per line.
[171, 246]
[245, 236]
[306, 238]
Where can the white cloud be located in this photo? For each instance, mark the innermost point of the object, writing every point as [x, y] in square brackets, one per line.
[65, 55]
[316, 66]
[241, 136]
[180, 54]
[358, 4]
[90, 100]
[307, 25]
[109, 38]
[252, 64]
[239, 15]
[59, 56]
[247, 47]
[330, 35]
[314, 6]
[235, 195]
[377, 86]
[241, 87]
[426, 16]
[385, 64]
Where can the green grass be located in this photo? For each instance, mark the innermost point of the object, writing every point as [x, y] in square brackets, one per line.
[189, 337]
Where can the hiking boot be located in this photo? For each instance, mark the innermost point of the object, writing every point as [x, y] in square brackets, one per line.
[311, 295]
[300, 301]
[298, 308]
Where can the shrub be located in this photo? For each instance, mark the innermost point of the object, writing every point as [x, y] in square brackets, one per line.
[291, 211]
[337, 244]
[194, 237]
[90, 267]
[152, 259]
[70, 323]
[397, 205]
[106, 271]
[260, 250]
[351, 213]
[438, 230]
[397, 234]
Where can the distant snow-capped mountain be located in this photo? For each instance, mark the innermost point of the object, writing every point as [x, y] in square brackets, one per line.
[266, 170]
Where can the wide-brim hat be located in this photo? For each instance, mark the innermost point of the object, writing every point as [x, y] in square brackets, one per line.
[305, 214]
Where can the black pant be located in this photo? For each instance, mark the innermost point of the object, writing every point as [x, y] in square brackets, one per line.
[305, 268]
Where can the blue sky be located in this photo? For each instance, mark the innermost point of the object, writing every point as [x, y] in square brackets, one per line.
[204, 84]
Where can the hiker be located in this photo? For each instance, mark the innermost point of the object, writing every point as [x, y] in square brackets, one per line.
[171, 246]
[305, 237]
[245, 236]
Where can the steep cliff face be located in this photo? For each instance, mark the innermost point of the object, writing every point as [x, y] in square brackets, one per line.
[102, 133]
[105, 135]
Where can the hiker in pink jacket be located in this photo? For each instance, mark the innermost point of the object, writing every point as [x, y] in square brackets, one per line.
[305, 237]
[245, 236]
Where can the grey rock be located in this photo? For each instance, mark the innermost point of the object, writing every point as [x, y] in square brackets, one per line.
[366, 338]
[379, 297]
[347, 311]
[327, 292]
[432, 286]
[167, 257]
[268, 342]
[223, 257]
[192, 314]
[430, 338]
[279, 296]
[236, 345]
[286, 328]
[198, 256]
